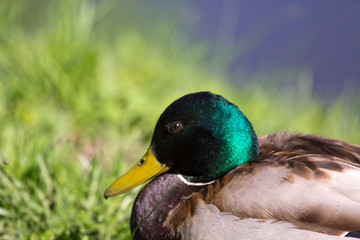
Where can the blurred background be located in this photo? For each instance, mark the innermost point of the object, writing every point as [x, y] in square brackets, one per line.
[319, 37]
[82, 83]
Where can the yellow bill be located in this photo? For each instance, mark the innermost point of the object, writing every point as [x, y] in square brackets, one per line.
[148, 167]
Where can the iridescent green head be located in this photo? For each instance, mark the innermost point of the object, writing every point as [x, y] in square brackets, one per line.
[203, 136]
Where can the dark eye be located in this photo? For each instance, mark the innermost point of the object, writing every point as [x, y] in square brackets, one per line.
[174, 127]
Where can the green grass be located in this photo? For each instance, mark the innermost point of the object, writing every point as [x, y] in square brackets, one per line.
[80, 97]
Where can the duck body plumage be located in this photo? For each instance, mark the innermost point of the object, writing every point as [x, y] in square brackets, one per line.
[214, 179]
[301, 186]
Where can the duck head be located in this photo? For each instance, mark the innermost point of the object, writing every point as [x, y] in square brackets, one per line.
[201, 136]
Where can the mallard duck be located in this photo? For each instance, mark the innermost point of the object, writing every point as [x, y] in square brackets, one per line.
[214, 179]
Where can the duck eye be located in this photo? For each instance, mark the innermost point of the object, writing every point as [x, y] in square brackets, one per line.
[174, 127]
